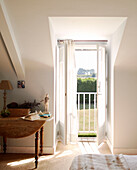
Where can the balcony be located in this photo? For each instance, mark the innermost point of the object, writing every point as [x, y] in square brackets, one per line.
[87, 113]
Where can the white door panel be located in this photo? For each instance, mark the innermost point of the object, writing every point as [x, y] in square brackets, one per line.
[101, 100]
[61, 91]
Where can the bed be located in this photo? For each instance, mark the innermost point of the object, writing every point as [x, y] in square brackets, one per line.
[104, 162]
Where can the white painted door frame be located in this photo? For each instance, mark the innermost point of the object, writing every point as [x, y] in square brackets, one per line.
[101, 93]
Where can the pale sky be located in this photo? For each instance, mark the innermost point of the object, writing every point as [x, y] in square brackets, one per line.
[86, 59]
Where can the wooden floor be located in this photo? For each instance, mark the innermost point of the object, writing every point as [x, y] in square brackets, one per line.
[61, 160]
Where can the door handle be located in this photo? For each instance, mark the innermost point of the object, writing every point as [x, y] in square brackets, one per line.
[99, 87]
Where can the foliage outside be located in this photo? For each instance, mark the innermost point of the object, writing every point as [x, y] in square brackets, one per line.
[86, 85]
[87, 135]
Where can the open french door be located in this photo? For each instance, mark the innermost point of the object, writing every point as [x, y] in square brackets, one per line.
[66, 91]
[61, 99]
[101, 93]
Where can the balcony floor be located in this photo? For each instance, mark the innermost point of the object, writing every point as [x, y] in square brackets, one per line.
[87, 139]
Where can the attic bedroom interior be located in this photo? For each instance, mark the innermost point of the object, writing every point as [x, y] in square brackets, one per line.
[68, 78]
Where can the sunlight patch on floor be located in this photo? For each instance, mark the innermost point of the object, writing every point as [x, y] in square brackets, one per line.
[25, 161]
[94, 148]
[65, 153]
[21, 162]
[101, 145]
[82, 148]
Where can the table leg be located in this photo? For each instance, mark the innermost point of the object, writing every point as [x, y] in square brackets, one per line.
[41, 140]
[4, 144]
[36, 148]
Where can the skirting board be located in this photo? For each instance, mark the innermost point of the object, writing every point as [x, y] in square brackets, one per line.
[121, 150]
[30, 150]
[126, 151]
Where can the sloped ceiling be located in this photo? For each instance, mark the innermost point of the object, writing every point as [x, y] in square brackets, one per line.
[6, 64]
[87, 28]
[10, 44]
[29, 20]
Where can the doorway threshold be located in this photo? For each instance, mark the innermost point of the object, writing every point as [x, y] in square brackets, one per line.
[87, 139]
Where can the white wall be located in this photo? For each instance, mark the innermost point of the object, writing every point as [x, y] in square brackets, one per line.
[113, 47]
[125, 125]
[39, 80]
[36, 87]
[54, 52]
[29, 20]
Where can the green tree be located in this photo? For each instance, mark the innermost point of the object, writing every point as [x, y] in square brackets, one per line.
[86, 85]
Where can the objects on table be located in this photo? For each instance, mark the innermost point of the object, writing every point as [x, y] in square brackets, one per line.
[44, 114]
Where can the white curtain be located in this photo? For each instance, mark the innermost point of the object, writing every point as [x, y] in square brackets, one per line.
[67, 84]
[72, 131]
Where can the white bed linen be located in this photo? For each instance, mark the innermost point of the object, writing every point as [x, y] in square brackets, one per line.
[104, 162]
[131, 161]
[99, 162]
